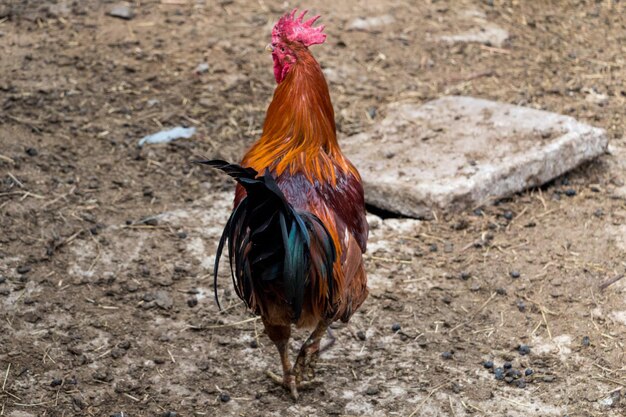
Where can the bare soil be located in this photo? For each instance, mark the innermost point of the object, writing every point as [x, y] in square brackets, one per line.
[106, 249]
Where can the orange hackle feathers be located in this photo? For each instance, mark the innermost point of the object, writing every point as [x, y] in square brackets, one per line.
[299, 130]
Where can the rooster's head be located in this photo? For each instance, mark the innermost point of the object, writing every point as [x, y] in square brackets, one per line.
[289, 37]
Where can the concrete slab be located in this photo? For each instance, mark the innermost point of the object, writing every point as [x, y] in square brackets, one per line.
[456, 153]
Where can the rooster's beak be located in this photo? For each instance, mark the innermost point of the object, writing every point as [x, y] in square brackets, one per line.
[269, 48]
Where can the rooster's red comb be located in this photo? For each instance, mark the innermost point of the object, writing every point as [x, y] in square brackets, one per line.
[291, 28]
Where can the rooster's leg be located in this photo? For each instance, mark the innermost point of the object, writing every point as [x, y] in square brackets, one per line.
[280, 336]
[309, 352]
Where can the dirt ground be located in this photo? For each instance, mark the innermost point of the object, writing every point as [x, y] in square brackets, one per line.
[106, 249]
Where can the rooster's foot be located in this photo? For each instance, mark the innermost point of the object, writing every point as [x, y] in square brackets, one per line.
[289, 383]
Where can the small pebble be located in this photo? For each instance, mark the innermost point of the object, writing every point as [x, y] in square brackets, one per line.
[508, 379]
[570, 192]
[254, 344]
[465, 275]
[192, 301]
[150, 222]
[433, 247]
[508, 215]
[514, 373]
[56, 382]
[586, 341]
[224, 397]
[521, 306]
[182, 235]
[2, 279]
[515, 274]
[117, 353]
[32, 151]
[373, 390]
[499, 373]
[507, 365]
[169, 414]
[122, 11]
[488, 364]
[523, 349]
[501, 291]
[202, 68]
[396, 327]
[23, 269]
[528, 372]
[361, 335]
[446, 355]
[521, 383]
[124, 345]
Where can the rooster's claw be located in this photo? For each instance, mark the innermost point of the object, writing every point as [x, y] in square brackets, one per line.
[289, 383]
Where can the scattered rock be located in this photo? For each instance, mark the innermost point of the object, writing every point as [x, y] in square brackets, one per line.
[164, 280]
[31, 152]
[586, 341]
[370, 23]
[124, 345]
[361, 335]
[56, 10]
[548, 378]
[509, 142]
[612, 400]
[23, 269]
[56, 382]
[192, 301]
[163, 300]
[150, 221]
[117, 353]
[446, 355]
[202, 68]
[486, 33]
[372, 390]
[32, 317]
[122, 11]
[488, 364]
[523, 350]
[396, 327]
[224, 397]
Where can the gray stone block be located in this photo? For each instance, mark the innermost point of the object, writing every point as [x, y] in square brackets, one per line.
[457, 153]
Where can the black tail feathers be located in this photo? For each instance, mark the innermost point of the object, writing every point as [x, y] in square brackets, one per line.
[270, 240]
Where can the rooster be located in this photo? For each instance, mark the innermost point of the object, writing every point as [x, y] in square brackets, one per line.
[298, 230]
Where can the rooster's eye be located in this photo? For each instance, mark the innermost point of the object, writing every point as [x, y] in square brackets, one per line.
[282, 49]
